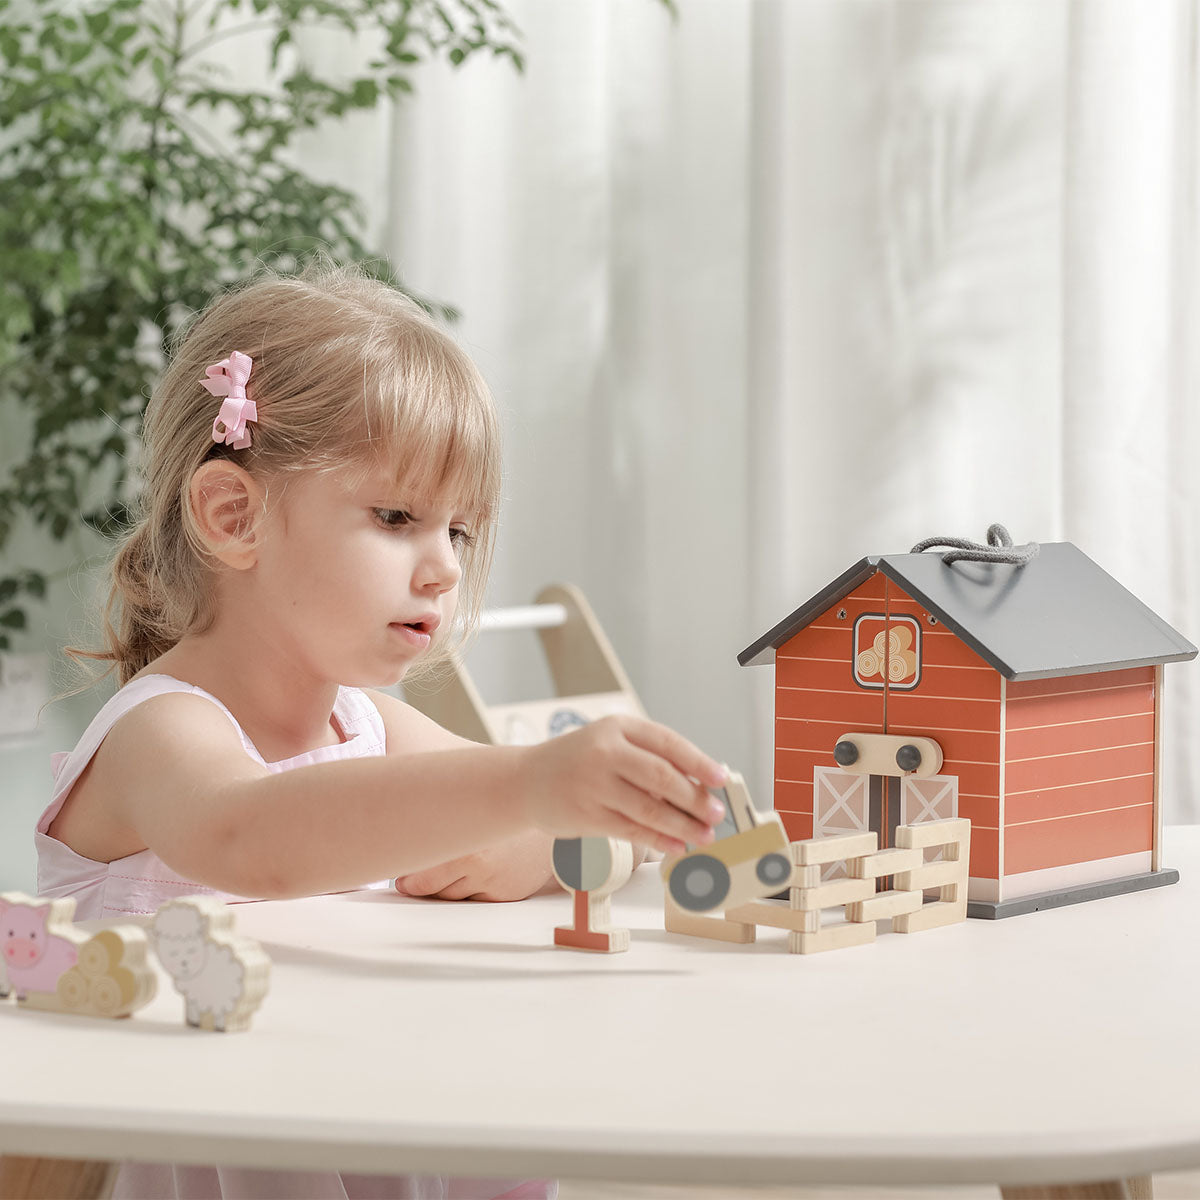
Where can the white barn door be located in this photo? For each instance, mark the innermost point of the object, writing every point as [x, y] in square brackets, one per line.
[934, 798]
[841, 804]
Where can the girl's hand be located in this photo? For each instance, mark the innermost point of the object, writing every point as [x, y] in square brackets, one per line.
[511, 870]
[625, 777]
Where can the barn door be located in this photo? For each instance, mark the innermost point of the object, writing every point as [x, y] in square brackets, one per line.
[841, 804]
[934, 798]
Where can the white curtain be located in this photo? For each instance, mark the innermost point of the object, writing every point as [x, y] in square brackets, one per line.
[776, 285]
[1131, 371]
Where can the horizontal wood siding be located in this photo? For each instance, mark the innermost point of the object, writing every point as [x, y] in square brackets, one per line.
[957, 703]
[816, 699]
[1079, 769]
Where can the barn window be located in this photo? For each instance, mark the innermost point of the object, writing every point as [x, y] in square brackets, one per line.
[887, 652]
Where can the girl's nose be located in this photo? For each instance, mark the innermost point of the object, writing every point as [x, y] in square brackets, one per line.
[439, 567]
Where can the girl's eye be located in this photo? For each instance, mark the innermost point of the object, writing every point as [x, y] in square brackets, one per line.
[391, 518]
[461, 539]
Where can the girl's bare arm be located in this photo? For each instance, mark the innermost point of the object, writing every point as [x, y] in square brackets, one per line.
[179, 776]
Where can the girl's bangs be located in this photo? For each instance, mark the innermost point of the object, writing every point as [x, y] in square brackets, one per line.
[437, 438]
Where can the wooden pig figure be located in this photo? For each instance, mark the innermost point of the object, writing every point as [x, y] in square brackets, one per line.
[53, 965]
[37, 943]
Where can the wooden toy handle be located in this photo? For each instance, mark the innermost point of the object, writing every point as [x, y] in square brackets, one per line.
[524, 616]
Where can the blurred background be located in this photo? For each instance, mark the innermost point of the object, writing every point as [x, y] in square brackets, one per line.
[762, 287]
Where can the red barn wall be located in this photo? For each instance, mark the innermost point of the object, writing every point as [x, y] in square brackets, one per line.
[1079, 769]
[816, 699]
[958, 704]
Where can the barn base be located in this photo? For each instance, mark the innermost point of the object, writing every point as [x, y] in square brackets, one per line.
[1075, 895]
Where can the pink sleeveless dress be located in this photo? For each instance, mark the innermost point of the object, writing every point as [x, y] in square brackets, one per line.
[139, 883]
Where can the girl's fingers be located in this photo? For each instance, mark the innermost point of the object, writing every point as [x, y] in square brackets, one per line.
[431, 881]
[676, 749]
[664, 817]
[660, 780]
[621, 826]
[461, 889]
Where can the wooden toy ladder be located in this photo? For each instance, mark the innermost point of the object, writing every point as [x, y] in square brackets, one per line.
[589, 681]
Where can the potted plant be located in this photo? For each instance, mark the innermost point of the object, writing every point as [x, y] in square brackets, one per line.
[118, 218]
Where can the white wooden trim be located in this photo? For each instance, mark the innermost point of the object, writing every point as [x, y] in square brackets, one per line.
[1156, 843]
[1054, 879]
[1000, 839]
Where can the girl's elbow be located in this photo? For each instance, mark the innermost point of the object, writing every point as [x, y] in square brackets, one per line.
[263, 877]
[233, 863]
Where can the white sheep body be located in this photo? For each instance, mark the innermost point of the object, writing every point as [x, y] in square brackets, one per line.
[216, 989]
[208, 965]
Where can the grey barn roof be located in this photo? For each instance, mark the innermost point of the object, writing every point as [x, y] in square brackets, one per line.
[1059, 615]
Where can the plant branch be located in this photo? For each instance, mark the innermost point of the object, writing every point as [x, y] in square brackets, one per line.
[221, 34]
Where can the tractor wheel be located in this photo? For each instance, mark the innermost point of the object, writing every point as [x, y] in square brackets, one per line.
[774, 869]
[699, 883]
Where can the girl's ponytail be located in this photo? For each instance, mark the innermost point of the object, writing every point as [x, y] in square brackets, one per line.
[150, 604]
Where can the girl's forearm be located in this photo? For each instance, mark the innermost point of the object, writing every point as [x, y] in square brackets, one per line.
[339, 825]
[342, 824]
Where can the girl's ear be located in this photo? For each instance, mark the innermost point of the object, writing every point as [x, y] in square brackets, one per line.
[228, 507]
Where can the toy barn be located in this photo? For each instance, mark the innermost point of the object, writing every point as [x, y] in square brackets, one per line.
[1026, 698]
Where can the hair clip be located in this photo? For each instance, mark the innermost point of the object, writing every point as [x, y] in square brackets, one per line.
[228, 379]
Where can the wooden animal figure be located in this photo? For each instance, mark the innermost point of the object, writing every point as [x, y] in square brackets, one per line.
[54, 966]
[592, 868]
[37, 941]
[1020, 687]
[222, 977]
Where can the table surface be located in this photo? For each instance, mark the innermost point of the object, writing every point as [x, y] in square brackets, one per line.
[403, 1035]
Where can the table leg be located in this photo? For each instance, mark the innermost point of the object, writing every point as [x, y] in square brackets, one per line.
[1138, 1187]
[55, 1178]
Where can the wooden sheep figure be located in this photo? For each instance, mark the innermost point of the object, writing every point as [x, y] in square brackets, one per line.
[222, 977]
[54, 966]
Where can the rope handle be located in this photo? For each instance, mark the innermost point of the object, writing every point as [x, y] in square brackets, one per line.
[1000, 548]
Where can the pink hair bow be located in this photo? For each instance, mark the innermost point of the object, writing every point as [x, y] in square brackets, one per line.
[228, 378]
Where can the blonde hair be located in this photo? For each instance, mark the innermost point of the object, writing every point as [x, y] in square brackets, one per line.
[349, 375]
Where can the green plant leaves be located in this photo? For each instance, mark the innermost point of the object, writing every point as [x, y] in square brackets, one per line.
[117, 221]
[12, 615]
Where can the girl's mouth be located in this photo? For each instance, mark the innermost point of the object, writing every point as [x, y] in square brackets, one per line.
[416, 633]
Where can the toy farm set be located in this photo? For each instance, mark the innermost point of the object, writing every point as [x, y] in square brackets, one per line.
[963, 730]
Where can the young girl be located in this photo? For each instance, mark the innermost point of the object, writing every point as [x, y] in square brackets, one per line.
[322, 477]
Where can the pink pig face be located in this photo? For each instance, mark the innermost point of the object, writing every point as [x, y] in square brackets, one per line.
[23, 936]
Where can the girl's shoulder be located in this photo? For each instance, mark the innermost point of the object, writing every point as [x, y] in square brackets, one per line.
[157, 733]
[409, 731]
[144, 701]
[160, 701]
